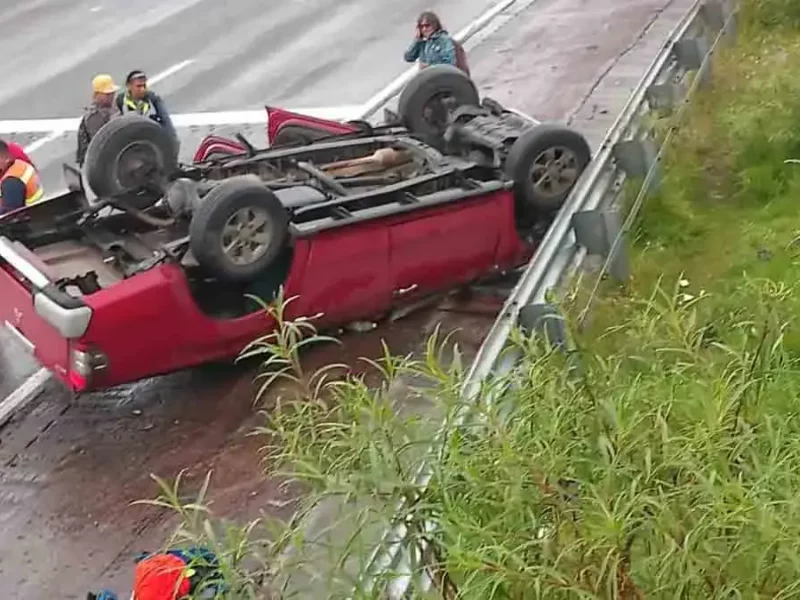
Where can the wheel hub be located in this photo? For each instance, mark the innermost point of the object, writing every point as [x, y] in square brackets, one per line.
[436, 111]
[555, 171]
[246, 236]
[137, 165]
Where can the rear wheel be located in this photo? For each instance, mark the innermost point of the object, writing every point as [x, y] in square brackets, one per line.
[545, 162]
[238, 230]
[428, 100]
[130, 158]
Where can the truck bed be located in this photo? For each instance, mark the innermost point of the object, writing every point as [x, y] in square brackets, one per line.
[49, 237]
[72, 258]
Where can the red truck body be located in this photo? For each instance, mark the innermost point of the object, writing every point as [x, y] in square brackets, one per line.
[150, 323]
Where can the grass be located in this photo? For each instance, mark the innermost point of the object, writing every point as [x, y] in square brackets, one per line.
[660, 458]
[726, 207]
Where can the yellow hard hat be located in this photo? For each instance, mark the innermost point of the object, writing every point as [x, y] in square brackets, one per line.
[104, 84]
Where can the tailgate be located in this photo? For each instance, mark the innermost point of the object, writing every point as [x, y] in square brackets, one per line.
[42, 318]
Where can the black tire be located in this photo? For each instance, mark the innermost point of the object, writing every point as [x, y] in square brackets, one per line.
[296, 135]
[424, 87]
[110, 173]
[564, 144]
[207, 235]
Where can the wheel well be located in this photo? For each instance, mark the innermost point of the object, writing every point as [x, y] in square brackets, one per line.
[222, 300]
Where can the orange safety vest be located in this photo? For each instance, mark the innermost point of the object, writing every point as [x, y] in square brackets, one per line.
[30, 179]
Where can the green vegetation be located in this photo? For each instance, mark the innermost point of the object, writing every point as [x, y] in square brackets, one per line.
[726, 208]
[770, 15]
[660, 458]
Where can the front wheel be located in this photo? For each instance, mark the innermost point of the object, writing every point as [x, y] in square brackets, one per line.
[238, 230]
[545, 162]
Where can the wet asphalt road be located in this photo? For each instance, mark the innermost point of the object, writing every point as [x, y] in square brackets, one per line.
[244, 53]
[15, 365]
[69, 469]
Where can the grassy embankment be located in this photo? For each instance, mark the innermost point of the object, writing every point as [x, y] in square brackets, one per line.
[725, 218]
[668, 465]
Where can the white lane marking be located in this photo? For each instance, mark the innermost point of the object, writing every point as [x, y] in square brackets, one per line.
[96, 9]
[29, 389]
[394, 86]
[34, 146]
[201, 119]
[168, 72]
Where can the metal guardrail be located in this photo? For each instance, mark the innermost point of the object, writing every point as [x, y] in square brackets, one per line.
[588, 223]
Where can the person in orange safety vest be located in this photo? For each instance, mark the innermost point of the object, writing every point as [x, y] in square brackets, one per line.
[177, 574]
[19, 182]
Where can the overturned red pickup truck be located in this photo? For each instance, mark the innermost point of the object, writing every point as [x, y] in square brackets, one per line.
[353, 220]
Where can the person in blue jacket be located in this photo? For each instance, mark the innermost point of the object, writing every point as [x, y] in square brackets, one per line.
[432, 45]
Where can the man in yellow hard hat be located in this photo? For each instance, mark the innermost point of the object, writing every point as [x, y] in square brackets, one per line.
[97, 114]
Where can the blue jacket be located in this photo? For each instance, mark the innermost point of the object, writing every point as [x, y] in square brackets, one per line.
[438, 49]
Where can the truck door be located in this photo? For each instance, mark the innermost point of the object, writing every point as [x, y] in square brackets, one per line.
[442, 248]
[346, 275]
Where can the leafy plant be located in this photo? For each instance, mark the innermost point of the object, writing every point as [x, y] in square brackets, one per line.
[281, 348]
[246, 554]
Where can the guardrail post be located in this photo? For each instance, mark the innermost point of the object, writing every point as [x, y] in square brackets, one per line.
[716, 14]
[597, 231]
[713, 14]
[637, 158]
[664, 97]
[690, 54]
[545, 320]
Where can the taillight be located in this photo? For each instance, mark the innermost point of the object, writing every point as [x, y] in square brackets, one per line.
[84, 362]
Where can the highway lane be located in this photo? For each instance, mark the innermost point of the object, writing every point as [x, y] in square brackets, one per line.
[67, 470]
[302, 53]
[244, 53]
